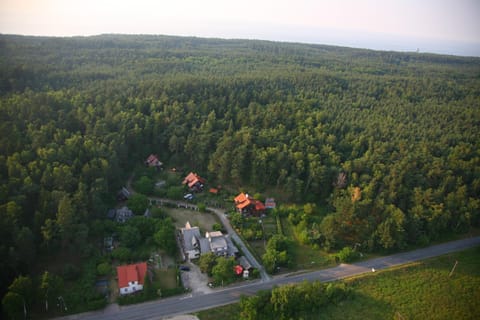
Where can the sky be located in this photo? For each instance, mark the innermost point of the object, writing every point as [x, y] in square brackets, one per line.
[439, 26]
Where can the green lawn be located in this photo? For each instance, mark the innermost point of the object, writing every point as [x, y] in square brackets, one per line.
[167, 278]
[423, 290]
[204, 221]
[306, 256]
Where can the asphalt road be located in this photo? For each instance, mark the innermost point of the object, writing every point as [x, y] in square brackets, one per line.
[191, 303]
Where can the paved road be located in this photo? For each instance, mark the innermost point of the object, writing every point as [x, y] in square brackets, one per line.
[191, 303]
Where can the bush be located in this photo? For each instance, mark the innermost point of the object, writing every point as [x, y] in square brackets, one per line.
[144, 185]
[122, 254]
[70, 272]
[175, 192]
[347, 254]
[202, 207]
[104, 269]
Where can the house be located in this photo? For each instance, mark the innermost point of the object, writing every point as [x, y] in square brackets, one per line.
[191, 241]
[123, 214]
[218, 243]
[247, 267]
[194, 182]
[131, 277]
[195, 245]
[270, 203]
[247, 205]
[123, 194]
[152, 161]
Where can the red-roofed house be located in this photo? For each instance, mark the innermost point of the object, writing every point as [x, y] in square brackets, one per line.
[194, 182]
[247, 205]
[131, 277]
[152, 161]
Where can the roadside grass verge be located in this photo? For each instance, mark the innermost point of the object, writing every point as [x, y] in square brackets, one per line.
[422, 290]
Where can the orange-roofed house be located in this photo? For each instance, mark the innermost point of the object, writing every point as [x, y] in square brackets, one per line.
[131, 277]
[247, 205]
[194, 182]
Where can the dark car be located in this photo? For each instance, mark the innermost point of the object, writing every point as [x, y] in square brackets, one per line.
[184, 268]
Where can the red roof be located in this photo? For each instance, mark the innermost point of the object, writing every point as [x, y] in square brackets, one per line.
[131, 273]
[259, 206]
[238, 269]
[213, 190]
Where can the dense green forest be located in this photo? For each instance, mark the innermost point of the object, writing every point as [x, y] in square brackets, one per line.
[388, 143]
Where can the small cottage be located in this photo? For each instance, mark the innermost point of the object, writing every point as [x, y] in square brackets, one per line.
[131, 277]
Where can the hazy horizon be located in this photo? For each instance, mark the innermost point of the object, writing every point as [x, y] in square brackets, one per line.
[442, 26]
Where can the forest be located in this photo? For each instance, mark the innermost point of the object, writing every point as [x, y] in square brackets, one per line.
[387, 143]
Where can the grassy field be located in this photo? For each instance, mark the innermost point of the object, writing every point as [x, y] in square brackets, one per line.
[306, 257]
[203, 220]
[423, 290]
[167, 278]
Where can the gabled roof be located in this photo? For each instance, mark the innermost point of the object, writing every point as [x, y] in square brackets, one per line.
[190, 236]
[192, 179]
[244, 262]
[244, 204]
[259, 206]
[131, 273]
[152, 160]
[241, 198]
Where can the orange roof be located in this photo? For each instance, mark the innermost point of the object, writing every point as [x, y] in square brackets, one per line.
[213, 190]
[241, 198]
[131, 273]
[192, 178]
[244, 204]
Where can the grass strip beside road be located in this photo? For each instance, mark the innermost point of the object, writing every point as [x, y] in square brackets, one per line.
[421, 290]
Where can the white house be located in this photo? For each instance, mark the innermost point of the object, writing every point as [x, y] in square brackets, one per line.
[131, 277]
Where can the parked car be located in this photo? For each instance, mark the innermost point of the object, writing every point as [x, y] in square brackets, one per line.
[184, 268]
[188, 196]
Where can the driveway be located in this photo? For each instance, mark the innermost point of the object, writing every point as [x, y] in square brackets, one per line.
[233, 234]
[195, 280]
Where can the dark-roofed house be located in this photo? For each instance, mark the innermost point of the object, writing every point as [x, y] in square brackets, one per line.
[194, 182]
[123, 194]
[191, 241]
[218, 243]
